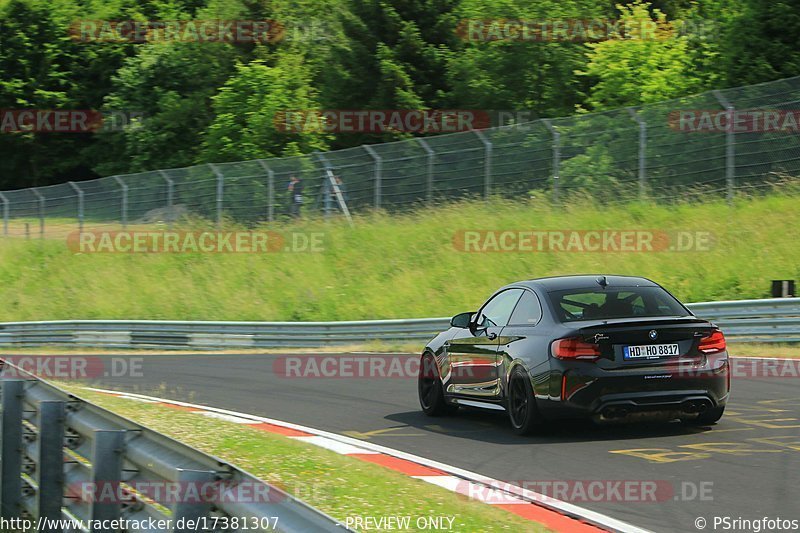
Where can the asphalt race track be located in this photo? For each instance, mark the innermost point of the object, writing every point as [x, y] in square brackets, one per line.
[749, 461]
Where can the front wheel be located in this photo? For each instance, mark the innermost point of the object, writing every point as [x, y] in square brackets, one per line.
[521, 404]
[429, 388]
[706, 418]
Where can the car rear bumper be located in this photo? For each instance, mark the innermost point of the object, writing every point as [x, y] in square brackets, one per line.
[673, 402]
[588, 391]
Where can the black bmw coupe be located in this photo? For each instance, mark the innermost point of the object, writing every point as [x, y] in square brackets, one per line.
[603, 347]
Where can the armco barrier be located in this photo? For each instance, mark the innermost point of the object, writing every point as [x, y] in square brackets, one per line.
[768, 320]
[56, 447]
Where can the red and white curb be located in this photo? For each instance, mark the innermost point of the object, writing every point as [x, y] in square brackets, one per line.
[554, 514]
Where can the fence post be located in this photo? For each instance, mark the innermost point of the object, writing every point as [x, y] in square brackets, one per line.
[556, 157]
[11, 448]
[40, 196]
[487, 165]
[80, 205]
[170, 195]
[378, 173]
[124, 212]
[326, 202]
[642, 150]
[270, 190]
[5, 213]
[431, 156]
[107, 448]
[50, 461]
[220, 189]
[730, 148]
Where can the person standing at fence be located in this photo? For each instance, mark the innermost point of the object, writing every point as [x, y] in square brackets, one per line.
[295, 190]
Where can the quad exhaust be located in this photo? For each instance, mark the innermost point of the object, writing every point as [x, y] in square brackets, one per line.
[695, 406]
[617, 413]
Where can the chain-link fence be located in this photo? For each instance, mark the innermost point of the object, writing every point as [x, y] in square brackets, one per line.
[717, 143]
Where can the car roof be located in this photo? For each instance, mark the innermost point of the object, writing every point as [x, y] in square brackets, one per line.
[582, 281]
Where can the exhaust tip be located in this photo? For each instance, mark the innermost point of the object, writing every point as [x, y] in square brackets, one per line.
[696, 406]
[615, 412]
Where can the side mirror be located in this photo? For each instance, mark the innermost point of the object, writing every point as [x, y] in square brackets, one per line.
[461, 320]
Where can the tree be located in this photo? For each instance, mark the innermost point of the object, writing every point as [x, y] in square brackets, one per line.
[248, 109]
[761, 43]
[393, 57]
[650, 64]
[171, 85]
[534, 74]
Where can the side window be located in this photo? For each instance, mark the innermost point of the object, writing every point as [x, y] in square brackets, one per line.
[528, 311]
[497, 311]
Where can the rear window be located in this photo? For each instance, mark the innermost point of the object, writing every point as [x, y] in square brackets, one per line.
[618, 302]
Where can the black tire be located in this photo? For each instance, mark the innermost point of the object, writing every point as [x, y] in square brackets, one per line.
[706, 418]
[429, 389]
[521, 404]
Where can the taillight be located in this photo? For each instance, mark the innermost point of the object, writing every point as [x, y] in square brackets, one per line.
[574, 348]
[714, 343]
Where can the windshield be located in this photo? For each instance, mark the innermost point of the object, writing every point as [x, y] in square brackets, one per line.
[620, 302]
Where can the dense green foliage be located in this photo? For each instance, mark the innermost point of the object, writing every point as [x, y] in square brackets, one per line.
[400, 266]
[214, 102]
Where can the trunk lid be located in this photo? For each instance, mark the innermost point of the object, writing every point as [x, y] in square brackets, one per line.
[658, 341]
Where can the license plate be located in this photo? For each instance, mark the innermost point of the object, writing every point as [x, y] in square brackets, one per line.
[650, 351]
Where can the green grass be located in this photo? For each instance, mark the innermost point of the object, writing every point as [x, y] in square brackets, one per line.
[400, 266]
[338, 485]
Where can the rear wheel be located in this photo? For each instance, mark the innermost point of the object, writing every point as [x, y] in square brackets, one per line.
[429, 388]
[521, 404]
[706, 418]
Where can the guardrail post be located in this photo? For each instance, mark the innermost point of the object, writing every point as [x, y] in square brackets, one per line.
[170, 195]
[124, 207]
[220, 189]
[556, 157]
[184, 512]
[487, 164]
[378, 174]
[5, 213]
[730, 147]
[270, 190]
[50, 461]
[11, 447]
[107, 448]
[40, 196]
[80, 204]
[642, 151]
[431, 155]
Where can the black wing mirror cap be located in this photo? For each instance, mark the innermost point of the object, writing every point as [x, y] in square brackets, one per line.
[461, 320]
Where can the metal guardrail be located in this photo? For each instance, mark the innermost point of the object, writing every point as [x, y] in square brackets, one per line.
[57, 449]
[768, 320]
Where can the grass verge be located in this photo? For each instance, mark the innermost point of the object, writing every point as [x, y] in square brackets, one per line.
[395, 266]
[338, 485]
